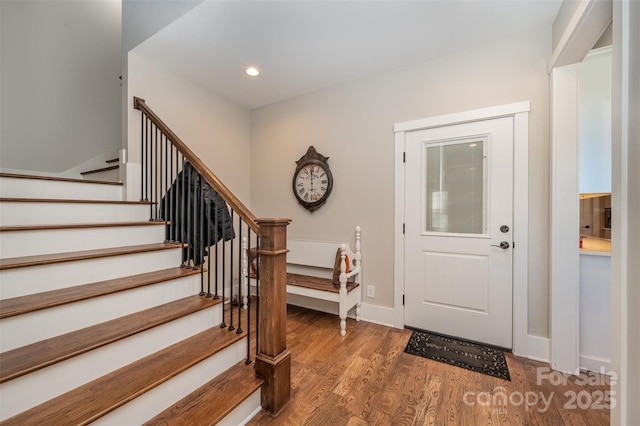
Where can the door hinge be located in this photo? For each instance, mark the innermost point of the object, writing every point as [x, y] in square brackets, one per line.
[403, 228]
[404, 157]
[403, 300]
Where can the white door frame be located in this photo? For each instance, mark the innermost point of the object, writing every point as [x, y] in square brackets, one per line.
[586, 26]
[520, 113]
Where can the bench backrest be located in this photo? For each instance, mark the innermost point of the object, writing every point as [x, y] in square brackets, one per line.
[319, 254]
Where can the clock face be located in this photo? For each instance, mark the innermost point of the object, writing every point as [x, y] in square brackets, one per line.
[312, 184]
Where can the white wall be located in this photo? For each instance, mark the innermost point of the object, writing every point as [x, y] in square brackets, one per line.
[594, 112]
[216, 129]
[60, 63]
[595, 312]
[353, 125]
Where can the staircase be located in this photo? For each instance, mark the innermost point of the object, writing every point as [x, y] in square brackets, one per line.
[109, 172]
[100, 324]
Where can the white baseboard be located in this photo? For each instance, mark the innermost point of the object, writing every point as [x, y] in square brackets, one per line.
[538, 348]
[597, 365]
[377, 314]
[243, 413]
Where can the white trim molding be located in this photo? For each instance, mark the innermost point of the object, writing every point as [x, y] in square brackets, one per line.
[520, 112]
[565, 219]
[538, 348]
[589, 21]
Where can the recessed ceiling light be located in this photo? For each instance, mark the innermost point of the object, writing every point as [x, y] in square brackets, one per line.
[252, 71]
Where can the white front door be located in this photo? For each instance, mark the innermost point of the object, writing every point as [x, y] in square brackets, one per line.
[458, 235]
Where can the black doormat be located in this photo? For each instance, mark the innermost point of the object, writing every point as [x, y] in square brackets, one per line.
[472, 356]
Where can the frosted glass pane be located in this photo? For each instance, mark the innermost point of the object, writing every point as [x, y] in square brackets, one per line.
[455, 187]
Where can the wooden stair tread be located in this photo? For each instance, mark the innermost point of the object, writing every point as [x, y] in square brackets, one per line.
[13, 228]
[59, 179]
[23, 360]
[113, 160]
[102, 169]
[47, 259]
[70, 201]
[89, 402]
[35, 302]
[210, 403]
[316, 283]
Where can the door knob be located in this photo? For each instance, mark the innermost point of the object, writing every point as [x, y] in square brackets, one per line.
[503, 245]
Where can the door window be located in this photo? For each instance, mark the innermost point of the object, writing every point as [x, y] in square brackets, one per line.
[455, 186]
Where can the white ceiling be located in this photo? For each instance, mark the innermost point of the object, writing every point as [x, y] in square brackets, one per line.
[302, 46]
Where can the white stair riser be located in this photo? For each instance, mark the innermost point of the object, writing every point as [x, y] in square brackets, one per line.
[247, 410]
[29, 243]
[28, 391]
[36, 279]
[19, 330]
[107, 176]
[159, 398]
[36, 213]
[40, 188]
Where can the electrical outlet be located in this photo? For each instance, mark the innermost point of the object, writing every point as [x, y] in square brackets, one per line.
[371, 291]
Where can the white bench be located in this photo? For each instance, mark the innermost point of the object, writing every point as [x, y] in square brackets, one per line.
[305, 254]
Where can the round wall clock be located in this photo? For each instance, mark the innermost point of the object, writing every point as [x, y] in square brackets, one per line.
[312, 180]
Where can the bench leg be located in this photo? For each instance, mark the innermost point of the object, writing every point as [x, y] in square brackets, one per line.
[358, 311]
[343, 311]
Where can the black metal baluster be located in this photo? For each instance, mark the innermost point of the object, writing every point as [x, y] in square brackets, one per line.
[184, 207]
[176, 195]
[194, 220]
[165, 190]
[158, 165]
[170, 195]
[151, 176]
[149, 136]
[224, 276]
[208, 214]
[257, 294]
[202, 240]
[174, 223]
[189, 207]
[231, 327]
[215, 230]
[240, 276]
[142, 157]
[248, 360]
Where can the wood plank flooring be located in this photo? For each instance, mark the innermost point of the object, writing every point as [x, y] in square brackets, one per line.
[365, 378]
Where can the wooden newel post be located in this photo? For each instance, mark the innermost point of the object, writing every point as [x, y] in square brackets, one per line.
[273, 362]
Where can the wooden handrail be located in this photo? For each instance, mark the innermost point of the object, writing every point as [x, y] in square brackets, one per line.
[213, 181]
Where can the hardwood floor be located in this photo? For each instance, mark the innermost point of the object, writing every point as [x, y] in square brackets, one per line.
[365, 378]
